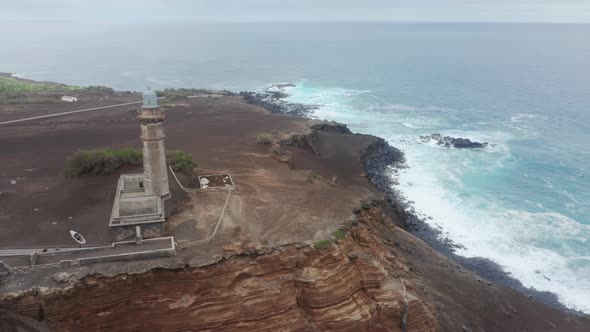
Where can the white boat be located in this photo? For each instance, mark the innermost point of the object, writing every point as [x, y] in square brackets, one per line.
[77, 237]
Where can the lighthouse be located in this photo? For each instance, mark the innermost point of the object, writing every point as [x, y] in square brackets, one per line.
[155, 173]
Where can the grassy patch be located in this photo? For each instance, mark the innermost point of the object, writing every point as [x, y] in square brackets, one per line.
[27, 98]
[12, 84]
[109, 161]
[339, 234]
[100, 90]
[183, 94]
[180, 94]
[322, 244]
[100, 162]
[180, 161]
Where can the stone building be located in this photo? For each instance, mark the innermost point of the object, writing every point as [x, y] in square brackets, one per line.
[155, 172]
[140, 198]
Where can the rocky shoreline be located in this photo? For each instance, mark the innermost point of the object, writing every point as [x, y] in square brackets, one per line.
[272, 99]
[379, 161]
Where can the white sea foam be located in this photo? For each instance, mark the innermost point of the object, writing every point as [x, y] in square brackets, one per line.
[409, 108]
[570, 196]
[356, 92]
[393, 107]
[541, 249]
[519, 117]
[483, 123]
[516, 124]
[511, 238]
[409, 125]
[547, 184]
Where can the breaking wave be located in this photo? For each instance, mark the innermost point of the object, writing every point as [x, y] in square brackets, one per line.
[472, 195]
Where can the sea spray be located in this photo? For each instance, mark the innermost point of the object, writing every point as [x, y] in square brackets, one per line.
[459, 201]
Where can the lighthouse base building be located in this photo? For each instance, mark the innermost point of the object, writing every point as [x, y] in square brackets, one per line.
[140, 198]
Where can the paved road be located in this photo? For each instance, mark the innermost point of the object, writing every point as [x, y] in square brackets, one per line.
[91, 109]
[66, 113]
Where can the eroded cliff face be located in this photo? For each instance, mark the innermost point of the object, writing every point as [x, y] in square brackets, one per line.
[356, 284]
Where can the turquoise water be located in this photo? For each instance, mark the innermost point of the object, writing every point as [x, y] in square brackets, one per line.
[523, 202]
[526, 211]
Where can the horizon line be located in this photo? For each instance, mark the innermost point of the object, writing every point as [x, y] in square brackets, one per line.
[295, 21]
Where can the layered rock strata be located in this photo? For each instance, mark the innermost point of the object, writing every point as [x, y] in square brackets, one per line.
[356, 284]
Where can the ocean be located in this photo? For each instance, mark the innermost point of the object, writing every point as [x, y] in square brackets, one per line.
[522, 202]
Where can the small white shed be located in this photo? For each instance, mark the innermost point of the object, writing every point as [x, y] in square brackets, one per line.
[69, 99]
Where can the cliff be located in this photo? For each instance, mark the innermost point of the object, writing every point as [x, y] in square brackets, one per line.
[290, 254]
[355, 284]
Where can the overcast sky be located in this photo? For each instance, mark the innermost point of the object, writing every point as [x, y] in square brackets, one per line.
[298, 10]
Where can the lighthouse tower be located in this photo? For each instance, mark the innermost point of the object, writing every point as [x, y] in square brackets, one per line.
[155, 173]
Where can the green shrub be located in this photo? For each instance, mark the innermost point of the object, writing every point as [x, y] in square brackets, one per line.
[322, 244]
[180, 161]
[109, 161]
[339, 234]
[99, 162]
[100, 89]
[179, 93]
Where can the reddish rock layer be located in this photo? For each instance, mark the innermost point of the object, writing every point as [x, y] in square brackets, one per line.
[354, 285]
[380, 278]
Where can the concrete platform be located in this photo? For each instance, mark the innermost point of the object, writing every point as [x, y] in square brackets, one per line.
[216, 181]
[132, 206]
[118, 251]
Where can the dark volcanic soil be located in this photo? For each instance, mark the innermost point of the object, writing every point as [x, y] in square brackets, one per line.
[221, 134]
[45, 204]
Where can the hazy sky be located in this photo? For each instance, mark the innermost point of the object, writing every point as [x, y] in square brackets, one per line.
[298, 10]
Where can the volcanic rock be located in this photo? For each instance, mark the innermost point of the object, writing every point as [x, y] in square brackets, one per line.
[448, 141]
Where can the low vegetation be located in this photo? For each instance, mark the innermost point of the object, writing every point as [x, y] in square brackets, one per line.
[177, 94]
[180, 161]
[100, 162]
[27, 98]
[109, 161]
[98, 89]
[13, 84]
[19, 91]
[339, 234]
[322, 244]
